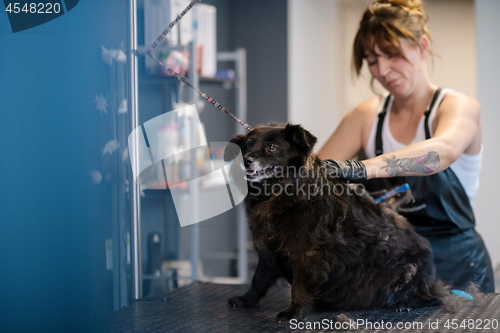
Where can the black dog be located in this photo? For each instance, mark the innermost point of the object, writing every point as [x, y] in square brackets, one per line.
[333, 244]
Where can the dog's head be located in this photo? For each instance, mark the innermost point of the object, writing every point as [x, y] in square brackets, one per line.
[272, 147]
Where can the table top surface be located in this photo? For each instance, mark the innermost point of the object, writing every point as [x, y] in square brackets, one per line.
[202, 307]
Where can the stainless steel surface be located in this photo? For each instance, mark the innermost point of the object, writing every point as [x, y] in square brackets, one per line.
[193, 184]
[241, 113]
[202, 307]
[241, 100]
[135, 201]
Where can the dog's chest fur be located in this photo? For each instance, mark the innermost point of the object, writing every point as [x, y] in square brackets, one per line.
[267, 222]
[294, 225]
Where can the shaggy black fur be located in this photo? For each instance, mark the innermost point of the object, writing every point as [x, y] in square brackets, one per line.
[336, 250]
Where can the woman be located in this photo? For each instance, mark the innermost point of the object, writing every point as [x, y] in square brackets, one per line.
[416, 130]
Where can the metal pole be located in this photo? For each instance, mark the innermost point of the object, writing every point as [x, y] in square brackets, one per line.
[193, 185]
[135, 199]
[241, 111]
[241, 69]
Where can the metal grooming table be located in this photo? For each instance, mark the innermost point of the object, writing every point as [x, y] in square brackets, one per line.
[202, 307]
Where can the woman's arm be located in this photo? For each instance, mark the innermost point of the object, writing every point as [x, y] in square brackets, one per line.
[457, 123]
[348, 138]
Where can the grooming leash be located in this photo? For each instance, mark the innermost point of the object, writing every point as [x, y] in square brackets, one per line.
[183, 79]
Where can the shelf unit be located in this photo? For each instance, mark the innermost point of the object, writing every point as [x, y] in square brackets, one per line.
[238, 57]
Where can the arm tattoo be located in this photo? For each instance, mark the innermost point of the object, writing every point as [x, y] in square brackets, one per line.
[425, 164]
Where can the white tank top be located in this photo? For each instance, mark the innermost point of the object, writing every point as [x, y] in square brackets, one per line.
[466, 168]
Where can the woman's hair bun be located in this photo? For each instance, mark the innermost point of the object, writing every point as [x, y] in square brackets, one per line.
[411, 6]
[414, 8]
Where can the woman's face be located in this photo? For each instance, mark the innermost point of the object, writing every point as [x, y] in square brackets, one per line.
[396, 74]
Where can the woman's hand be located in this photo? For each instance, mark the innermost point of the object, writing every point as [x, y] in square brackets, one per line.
[354, 171]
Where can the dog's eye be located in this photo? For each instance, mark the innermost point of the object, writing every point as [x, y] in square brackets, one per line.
[249, 144]
[272, 147]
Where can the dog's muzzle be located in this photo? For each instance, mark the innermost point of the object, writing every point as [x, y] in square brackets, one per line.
[259, 173]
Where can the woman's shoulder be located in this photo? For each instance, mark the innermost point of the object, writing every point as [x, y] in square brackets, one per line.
[459, 104]
[365, 114]
[457, 97]
[367, 108]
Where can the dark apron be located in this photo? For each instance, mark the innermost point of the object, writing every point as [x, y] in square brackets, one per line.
[442, 213]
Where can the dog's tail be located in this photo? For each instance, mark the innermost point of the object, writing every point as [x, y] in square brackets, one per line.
[450, 300]
[441, 294]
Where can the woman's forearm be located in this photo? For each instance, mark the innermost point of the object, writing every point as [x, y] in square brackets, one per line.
[419, 159]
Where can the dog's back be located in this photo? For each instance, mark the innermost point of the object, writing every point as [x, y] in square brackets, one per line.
[362, 254]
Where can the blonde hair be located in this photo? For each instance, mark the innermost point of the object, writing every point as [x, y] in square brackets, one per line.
[383, 23]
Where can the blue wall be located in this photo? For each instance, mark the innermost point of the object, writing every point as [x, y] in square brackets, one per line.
[53, 221]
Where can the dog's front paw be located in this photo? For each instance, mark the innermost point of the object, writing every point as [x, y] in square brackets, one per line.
[238, 302]
[402, 306]
[285, 316]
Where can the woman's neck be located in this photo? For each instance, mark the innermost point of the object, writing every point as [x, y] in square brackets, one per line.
[416, 102]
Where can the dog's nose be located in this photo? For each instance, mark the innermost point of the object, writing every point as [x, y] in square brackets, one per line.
[248, 161]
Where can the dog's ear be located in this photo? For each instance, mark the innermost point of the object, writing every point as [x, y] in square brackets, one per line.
[233, 147]
[302, 139]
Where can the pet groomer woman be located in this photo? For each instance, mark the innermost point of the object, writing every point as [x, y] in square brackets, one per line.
[417, 133]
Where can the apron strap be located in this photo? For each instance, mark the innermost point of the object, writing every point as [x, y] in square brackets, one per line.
[379, 150]
[428, 113]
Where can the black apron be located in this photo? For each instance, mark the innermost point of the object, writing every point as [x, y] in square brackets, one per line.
[442, 213]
